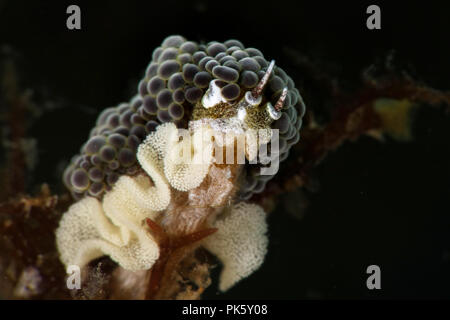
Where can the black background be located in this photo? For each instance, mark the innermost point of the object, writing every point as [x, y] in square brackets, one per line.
[384, 204]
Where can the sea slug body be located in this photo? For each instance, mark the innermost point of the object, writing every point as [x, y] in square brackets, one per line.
[131, 168]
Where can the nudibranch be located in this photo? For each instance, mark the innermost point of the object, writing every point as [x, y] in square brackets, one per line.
[131, 170]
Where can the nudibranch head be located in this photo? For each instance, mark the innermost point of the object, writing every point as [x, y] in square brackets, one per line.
[247, 110]
[187, 81]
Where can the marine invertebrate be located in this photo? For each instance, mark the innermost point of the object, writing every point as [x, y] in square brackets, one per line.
[182, 82]
[157, 159]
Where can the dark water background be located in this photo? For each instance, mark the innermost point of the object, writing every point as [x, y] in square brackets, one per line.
[384, 204]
